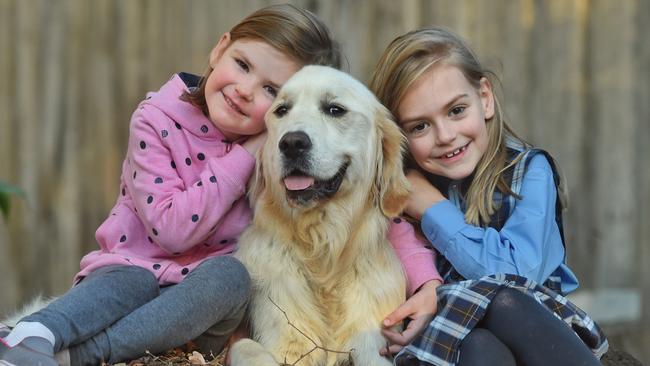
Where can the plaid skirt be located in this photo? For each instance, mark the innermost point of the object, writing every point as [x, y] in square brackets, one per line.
[463, 304]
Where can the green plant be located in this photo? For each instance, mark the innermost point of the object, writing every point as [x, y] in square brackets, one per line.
[6, 191]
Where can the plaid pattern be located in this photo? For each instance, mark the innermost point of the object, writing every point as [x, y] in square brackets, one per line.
[463, 304]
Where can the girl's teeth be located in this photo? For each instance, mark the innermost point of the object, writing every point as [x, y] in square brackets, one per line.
[456, 152]
[232, 105]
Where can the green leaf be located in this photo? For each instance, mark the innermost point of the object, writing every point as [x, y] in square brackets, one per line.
[6, 190]
[4, 204]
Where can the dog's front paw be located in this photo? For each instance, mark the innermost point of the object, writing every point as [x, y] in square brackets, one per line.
[247, 352]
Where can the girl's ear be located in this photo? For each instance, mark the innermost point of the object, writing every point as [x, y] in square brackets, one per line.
[487, 98]
[219, 49]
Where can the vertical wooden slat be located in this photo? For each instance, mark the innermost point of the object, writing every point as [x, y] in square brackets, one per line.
[67, 210]
[8, 285]
[27, 146]
[130, 68]
[8, 132]
[52, 125]
[390, 19]
[343, 18]
[641, 87]
[611, 62]
[153, 54]
[205, 26]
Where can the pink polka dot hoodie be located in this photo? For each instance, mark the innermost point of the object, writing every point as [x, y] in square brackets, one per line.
[182, 193]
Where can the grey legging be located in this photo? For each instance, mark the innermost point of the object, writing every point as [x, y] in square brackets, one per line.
[117, 313]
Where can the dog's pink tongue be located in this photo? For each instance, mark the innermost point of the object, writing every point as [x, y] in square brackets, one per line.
[298, 183]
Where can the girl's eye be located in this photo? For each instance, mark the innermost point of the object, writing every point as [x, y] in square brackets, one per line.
[457, 110]
[271, 90]
[242, 65]
[418, 128]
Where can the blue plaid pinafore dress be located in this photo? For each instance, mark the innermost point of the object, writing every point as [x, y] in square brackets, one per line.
[462, 303]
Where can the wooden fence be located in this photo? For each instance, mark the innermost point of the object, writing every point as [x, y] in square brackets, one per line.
[575, 75]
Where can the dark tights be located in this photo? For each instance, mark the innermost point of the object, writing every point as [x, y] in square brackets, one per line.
[517, 330]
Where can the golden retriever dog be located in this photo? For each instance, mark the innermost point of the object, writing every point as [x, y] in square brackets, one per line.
[328, 180]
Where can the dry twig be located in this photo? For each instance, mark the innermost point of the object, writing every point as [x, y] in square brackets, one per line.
[316, 346]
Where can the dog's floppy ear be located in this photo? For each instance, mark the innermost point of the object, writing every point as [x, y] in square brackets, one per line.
[391, 184]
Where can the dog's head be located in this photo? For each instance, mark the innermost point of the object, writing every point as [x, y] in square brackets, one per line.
[330, 139]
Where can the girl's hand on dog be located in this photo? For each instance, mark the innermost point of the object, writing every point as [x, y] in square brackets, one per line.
[423, 195]
[420, 308]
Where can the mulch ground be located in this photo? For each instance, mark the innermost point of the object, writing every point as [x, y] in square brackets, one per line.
[617, 357]
[186, 357]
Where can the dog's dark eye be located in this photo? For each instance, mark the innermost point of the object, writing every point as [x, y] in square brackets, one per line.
[335, 110]
[281, 110]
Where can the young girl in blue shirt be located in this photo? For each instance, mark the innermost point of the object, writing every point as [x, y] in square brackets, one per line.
[491, 205]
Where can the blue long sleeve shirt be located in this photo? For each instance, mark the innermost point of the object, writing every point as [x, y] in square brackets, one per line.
[529, 243]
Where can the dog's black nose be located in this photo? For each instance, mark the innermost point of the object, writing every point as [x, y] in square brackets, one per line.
[293, 144]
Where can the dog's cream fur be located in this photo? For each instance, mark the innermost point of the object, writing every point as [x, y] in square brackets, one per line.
[323, 269]
[36, 304]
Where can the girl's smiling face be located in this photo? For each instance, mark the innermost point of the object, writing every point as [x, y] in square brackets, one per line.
[244, 81]
[444, 118]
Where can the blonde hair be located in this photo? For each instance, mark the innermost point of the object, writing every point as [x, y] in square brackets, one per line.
[289, 29]
[409, 56]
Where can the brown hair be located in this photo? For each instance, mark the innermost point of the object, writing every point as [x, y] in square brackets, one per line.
[409, 56]
[291, 30]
